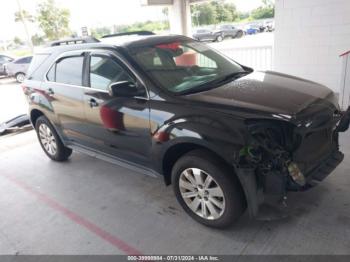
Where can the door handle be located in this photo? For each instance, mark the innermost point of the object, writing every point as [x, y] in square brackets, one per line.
[50, 91]
[93, 103]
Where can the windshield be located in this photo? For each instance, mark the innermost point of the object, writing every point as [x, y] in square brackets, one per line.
[185, 66]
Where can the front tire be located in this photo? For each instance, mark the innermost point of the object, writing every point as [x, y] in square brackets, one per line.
[239, 34]
[206, 190]
[20, 77]
[219, 38]
[50, 141]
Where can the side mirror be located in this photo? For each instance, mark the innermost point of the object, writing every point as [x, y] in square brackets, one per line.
[125, 89]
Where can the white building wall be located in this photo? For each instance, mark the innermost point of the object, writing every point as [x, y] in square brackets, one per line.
[310, 35]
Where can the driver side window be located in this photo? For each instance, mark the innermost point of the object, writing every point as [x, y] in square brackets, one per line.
[105, 71]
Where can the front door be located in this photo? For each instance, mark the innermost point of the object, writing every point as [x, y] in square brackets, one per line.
[115, 125]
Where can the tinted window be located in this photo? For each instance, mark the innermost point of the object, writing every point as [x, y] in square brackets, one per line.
[70, 70]
[104, 71]
[202, 31]
[24, 60]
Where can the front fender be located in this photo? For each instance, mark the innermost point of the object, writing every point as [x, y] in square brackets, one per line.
[223, 137]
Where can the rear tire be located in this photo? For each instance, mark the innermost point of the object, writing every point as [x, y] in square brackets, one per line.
[217, 204]
[50, 141]
[219, 38]
[239, 34]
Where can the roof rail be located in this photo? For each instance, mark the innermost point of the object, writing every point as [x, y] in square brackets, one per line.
[129, 33]
[74, 41]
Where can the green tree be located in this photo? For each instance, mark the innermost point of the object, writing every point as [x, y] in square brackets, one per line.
[231, 8]
[206, 13]
[54, 21]
[23, 15]
[18, 41]
[213, 12]
[242, 15]
[38, 40]
[265, 11]
[225, 12]
[98, 32]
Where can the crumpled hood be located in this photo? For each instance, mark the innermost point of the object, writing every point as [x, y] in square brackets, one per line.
[270, 92]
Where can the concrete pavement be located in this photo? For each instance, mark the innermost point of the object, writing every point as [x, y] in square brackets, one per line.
[87, 206]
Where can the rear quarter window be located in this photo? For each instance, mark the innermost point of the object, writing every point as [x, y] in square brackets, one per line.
[36, 62]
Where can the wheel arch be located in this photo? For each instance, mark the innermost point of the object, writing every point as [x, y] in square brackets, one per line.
[173, 153]
[34, 115]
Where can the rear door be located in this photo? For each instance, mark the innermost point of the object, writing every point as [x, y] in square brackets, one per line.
[207, 35]
[64, 90]
[115, 125]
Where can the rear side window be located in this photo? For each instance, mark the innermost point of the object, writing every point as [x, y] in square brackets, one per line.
[69, 70]
[24, 60]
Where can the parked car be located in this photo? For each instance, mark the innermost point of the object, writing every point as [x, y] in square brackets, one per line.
[230, 31]
[218, 34]
[3, 60]
[208, 35]
[225, 136]
[270, 26]
[18, 68]
[251, 29]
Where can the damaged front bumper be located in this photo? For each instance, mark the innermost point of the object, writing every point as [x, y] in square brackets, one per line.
[300, 169]
[325, 168]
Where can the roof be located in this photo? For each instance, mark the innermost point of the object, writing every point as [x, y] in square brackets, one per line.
[130, 42]
[127, 42]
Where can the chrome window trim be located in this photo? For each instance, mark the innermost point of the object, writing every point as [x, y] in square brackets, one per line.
[102, 52]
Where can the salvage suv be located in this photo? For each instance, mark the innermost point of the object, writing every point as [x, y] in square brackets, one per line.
[225, 136]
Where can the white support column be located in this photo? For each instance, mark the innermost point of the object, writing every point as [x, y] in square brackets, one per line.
[180, 17]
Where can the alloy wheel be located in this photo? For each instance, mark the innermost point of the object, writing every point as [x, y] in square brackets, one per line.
[20, 77]
[201, 193]
[47, 139]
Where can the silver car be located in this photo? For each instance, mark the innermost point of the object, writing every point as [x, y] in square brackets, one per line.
[4, 60]
[18, 68]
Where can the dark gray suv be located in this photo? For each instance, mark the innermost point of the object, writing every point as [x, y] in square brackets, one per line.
[224, 136]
